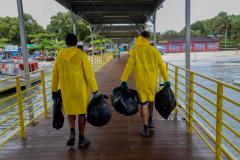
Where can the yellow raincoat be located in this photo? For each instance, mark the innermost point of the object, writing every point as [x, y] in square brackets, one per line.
[146, 62]
[73, 74]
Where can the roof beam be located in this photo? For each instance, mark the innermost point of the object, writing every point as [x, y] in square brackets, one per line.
[113, 8]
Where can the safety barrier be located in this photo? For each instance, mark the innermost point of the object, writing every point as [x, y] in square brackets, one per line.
[22, 106]
[210, 107]
[99, 60]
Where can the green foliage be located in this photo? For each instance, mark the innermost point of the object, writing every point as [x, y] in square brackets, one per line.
[223, 25]
[4, 41]
[43, 41]
[61, 24]
[9, 28]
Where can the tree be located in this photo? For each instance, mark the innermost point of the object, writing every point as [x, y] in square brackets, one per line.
[61, 24]
[9, 28]
[43, 41]
[223, 24]
[170, 33]
[236, 28]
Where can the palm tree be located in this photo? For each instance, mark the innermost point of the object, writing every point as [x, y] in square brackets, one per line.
[223, 24]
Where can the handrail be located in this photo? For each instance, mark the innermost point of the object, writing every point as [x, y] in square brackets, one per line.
[217, 105]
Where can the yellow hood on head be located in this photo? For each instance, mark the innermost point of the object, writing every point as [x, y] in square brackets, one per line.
[68, 53]
[142, 41]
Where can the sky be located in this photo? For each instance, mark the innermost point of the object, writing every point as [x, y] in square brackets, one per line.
[171, 16]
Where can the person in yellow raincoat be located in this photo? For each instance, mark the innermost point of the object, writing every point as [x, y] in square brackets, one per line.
[146, 62]
[73, 75]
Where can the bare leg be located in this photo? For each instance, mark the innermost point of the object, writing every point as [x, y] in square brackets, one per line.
[71, 121]
[81, 124]
[150, 119]
[151, 106]
[144, 113]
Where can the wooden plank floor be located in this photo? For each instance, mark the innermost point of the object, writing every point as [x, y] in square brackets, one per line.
[119, 140]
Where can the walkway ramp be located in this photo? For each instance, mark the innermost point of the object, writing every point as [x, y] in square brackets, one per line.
[119, 140]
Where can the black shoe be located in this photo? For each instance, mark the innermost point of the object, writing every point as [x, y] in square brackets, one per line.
[71, 139]
[150, 124]
[83, 143]
[145, 132]
[71, 142]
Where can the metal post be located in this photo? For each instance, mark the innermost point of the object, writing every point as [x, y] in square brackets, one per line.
[188, 34]
[218, 146]
[154, 28]
[24, 52]
[74, 23]
[101, 45]
[20, 109]
[176, 92]
[190, 102]
[91, 30]
[105, 45]
[187, 50]
[44, 93]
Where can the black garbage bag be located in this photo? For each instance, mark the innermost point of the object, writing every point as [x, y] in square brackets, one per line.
[125, 101]
[58, 118]
[165, 102]
[98, 112]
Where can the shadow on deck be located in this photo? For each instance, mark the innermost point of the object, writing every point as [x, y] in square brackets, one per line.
[118, 140]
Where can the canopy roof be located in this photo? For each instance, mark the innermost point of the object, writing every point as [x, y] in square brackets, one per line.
[113, 12]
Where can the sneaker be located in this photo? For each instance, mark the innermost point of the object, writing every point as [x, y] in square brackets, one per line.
[150, 124]
[71, 139]
[83, 143]
[145, 132]
[71, 142]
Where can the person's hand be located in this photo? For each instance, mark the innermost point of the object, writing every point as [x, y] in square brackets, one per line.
[96, 94]
[124, 85]
[57, 97]
[167, 84]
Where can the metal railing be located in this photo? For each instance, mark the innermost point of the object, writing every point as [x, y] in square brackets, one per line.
[210, 107]
[99, 60]
[21, 107]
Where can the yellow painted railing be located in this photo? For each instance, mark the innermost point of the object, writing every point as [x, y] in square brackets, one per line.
[22, 107]
[99, 60]
[211, 109]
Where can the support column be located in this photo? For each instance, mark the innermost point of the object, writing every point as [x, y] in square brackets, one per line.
[91, 30]
[74, 23]
[154, 28]
[22, 36]
[187, 55]
[24, 53]
[188, 43]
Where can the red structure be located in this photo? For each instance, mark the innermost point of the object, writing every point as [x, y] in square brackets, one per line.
[198, 44]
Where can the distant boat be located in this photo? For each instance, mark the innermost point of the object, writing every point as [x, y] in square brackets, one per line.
[236, 80]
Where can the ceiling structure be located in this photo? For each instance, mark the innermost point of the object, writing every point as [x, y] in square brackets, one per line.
[116, 19]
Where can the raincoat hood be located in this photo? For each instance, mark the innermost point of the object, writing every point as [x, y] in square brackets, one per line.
[68, 53]
[142, 41]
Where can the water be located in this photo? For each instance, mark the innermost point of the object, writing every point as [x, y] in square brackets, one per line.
[224, 66]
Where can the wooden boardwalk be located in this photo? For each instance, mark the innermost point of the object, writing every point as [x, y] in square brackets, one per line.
[119, 140]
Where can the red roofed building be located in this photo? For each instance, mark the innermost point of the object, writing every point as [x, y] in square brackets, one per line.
[198, 44]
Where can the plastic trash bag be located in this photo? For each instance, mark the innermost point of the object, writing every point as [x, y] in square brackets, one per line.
[125, 101]
[98, 112]
[165, 102]
[58, 118]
